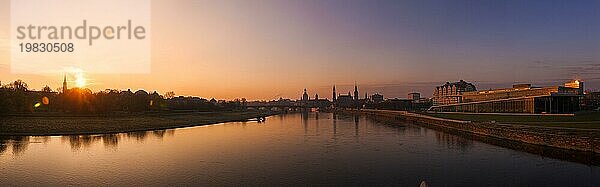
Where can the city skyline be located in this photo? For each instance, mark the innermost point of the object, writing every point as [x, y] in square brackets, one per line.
[299, 93]
[263, 51]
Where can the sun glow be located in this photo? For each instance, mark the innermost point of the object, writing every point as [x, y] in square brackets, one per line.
[79, 77]
[80, 80]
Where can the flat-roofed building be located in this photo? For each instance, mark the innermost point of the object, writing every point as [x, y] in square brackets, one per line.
[415, 96]
[377, 98]
[521, 98]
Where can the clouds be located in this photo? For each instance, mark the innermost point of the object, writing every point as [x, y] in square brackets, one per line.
[584, 69]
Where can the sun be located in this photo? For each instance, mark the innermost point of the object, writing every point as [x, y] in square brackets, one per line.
[80, 80]
[79, 77]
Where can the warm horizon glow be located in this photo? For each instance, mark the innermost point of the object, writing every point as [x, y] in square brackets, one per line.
[262, 51]
[80, 80]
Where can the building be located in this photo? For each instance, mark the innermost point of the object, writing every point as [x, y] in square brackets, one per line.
[377, 98]
[334, 96]
[396, 104]
[355, 92]
[415, 96]
[591, 101]
[64, 88]
[451, 93]
[345, 101]
[521, 98]
[348, 101]
[575, 84]
[305, 96]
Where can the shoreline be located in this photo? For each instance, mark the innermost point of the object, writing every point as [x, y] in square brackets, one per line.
[89, 125]
[580, 140]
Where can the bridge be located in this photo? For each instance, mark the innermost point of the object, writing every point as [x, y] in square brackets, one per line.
[290, 105]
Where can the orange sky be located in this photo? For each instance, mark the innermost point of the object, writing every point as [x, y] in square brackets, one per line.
[272, 49]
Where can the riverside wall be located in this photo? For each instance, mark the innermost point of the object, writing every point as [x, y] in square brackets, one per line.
[585, 140]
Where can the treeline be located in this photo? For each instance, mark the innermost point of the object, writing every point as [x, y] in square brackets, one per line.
[16, 97]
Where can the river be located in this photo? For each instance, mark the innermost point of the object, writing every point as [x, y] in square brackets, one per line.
[290, 149]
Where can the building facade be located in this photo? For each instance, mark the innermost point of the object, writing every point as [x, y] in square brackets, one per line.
[377, 98]
[591, 101]
[415, 96]
[345, 101]
[521, 98]
[451, 93]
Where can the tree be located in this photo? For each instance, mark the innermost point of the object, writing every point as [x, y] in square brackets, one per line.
[46, 89]
[170, 95]
[18, 85]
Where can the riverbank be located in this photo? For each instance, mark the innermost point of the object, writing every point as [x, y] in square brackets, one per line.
[584, 140]
[76, 125]
[582, 120]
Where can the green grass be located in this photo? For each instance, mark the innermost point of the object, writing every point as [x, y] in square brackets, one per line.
[587, 120]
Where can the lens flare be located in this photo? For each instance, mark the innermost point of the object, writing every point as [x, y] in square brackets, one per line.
[45, 100]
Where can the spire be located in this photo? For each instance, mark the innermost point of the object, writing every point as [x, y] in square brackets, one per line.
[334, 98]
[355, 91]
[64, 88]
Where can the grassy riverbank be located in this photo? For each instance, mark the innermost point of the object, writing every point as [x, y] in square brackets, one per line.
[588, 120]
[70, 125]
[580, 140]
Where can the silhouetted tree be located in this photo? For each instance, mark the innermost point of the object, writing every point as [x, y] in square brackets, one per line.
[18, 85]
[141, 101]
[15, 97]
[170, 95]
[46, 89]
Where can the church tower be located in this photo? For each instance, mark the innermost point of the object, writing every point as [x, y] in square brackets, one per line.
[355, 92]
[334, 98]
[64, 88]
[305, 95]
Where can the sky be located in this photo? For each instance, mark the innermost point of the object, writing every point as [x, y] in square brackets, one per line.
[269, 49]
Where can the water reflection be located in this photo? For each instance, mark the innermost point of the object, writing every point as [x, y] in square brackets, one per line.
[304, 115]
[19, 144]
[334, 124]
[453, 141]
[140, 136]
[304, 148]
[356, 125]
[110, 141]
[80, 141]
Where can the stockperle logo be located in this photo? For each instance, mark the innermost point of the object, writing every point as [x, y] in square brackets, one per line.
[95, 36]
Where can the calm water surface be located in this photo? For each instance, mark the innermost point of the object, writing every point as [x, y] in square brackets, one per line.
[292, 149]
